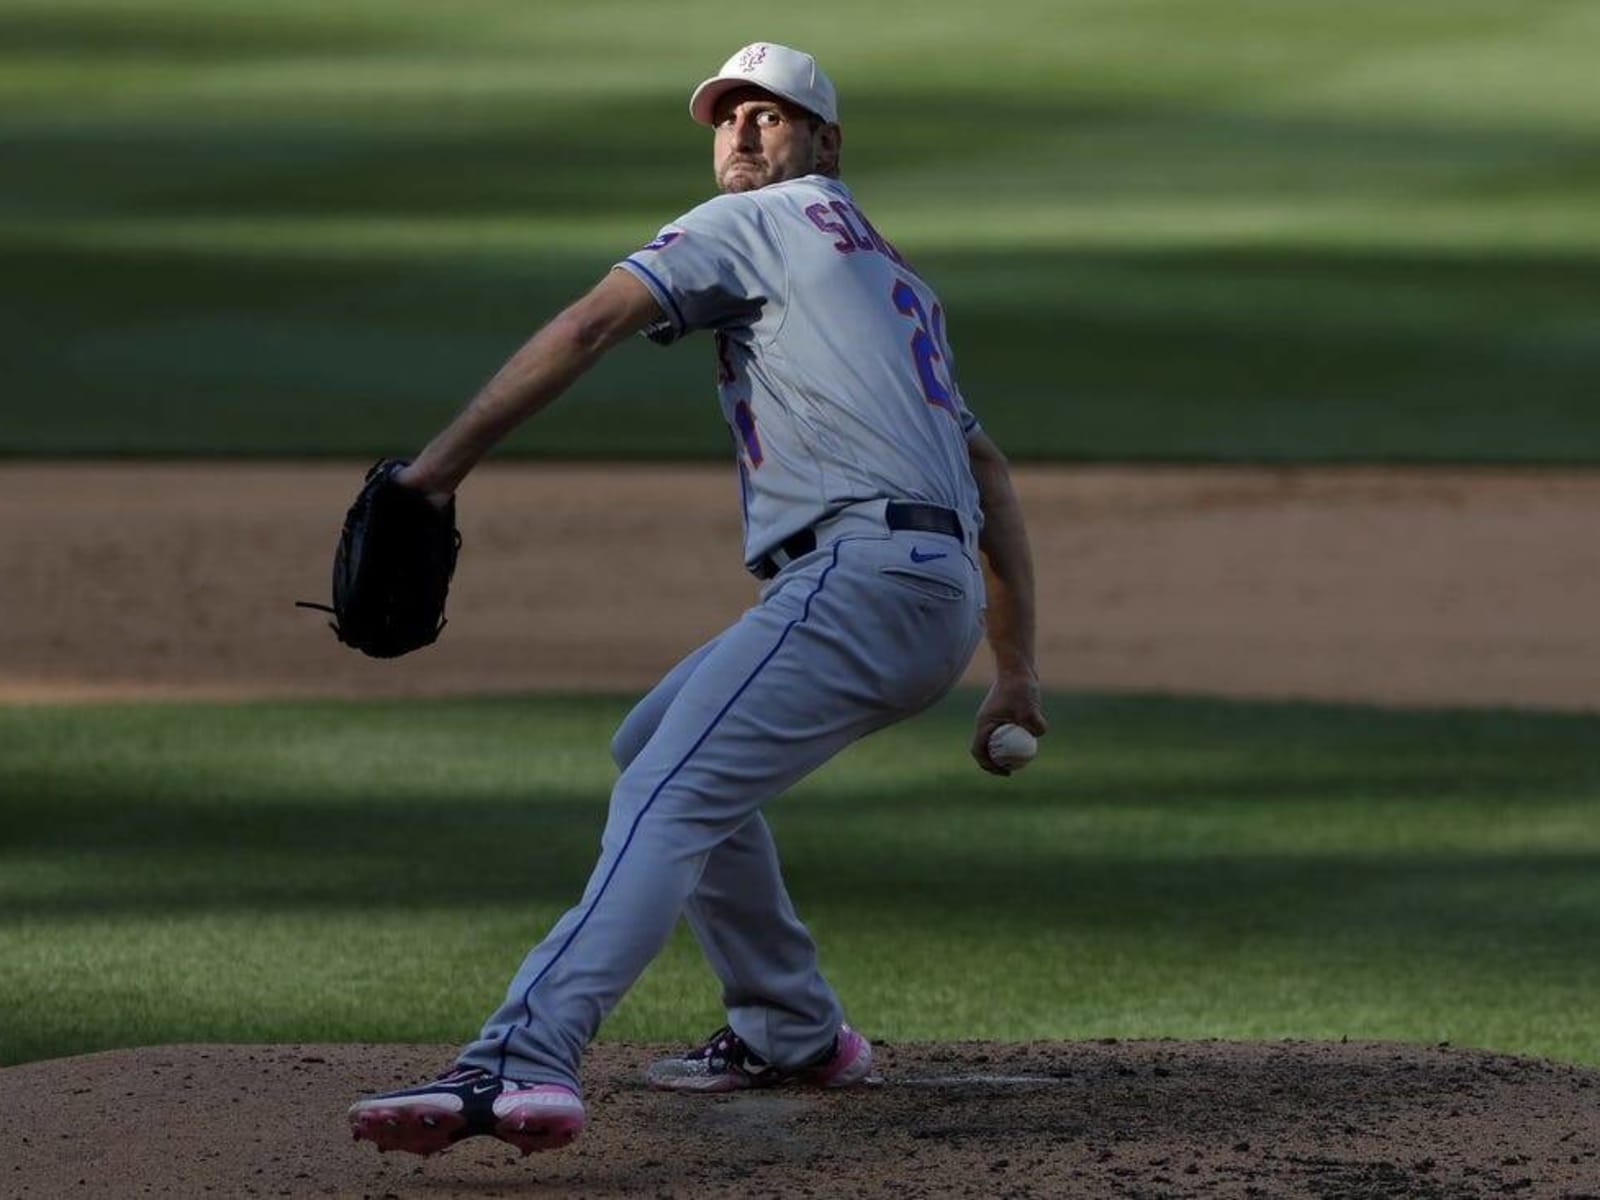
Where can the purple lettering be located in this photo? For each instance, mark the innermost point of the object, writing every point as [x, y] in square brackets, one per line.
[849, 225]
[845, 211]
[819, 217]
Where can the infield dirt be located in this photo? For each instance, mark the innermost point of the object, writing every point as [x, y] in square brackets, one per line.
[1413, 587]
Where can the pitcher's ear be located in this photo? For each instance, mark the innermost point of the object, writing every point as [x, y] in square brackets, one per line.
[830, 143]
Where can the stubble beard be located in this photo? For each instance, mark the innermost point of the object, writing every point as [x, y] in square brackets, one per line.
[747, 174]
[742, 175]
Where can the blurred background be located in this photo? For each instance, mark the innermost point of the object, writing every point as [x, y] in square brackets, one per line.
[1276, 232]
[1240, 230]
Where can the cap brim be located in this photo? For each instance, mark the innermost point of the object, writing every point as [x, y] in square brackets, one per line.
[703, 103]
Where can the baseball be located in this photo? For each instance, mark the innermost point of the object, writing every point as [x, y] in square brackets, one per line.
[1012, 747]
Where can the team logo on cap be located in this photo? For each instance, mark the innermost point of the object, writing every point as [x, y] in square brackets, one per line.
[751, 57]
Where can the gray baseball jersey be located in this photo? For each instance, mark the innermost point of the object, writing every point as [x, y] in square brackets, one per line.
[835, 377]
[832, 363]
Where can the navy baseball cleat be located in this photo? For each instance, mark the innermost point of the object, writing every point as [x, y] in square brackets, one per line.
[725, 1063]
[469, 1102]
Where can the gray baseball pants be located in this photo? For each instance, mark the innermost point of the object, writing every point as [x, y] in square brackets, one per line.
[870, 628]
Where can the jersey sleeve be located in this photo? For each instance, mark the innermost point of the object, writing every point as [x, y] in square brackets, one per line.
[715, 267]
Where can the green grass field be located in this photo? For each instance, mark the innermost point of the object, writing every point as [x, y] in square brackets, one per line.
[1172, 229]
[1166, 868]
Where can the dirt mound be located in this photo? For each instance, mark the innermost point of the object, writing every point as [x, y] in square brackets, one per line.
[1127, 1119]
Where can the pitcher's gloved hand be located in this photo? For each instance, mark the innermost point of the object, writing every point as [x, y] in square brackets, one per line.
[392, 567]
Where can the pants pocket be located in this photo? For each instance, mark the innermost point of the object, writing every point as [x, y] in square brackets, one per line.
[924, 583]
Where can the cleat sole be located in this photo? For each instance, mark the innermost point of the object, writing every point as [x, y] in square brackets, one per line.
[537, 1135]
[412, 1131]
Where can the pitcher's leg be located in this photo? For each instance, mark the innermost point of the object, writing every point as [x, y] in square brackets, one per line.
[569, 982]
[641, 723]
[810, 670]
[743, 919]
[742, 916]
[712, 761]
[740, 912]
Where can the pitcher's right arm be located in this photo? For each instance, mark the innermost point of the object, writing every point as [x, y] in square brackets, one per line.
[1008, 575]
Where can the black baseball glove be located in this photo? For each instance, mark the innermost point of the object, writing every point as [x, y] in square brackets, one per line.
[392, 568]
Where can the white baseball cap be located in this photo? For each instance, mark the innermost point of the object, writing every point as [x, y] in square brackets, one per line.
[792, 74]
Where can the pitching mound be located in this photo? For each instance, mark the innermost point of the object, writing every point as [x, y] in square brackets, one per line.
[1146, 1119]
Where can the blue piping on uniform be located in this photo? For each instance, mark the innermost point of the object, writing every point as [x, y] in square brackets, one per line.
[661, 288]
[527, 996]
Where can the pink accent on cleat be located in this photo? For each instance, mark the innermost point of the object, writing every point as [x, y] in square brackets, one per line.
[546, 1116]
[725, 1063]
[851, 1062]
[469, 1102]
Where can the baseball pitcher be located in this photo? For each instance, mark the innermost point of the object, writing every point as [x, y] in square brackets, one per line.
[882, 522]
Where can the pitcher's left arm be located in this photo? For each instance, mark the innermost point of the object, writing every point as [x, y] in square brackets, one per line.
[549, 363]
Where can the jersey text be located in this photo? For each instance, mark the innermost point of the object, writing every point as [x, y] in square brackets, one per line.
[851, 230]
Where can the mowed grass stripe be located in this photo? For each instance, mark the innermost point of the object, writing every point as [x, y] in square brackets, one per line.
[1168, 867]
[1169, 231]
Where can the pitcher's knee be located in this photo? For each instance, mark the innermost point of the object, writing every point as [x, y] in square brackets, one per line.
[627, 741]
[619, 751]
[631, 797]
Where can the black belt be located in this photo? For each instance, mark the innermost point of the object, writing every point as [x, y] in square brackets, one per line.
[899, 514]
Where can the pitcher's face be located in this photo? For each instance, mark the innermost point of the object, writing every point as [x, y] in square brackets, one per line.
[761, 139]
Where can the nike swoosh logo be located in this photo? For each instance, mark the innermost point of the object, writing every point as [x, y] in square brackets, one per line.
[918, 557]
[480, 1089]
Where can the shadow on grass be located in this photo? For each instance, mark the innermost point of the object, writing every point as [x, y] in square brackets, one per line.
[151, 821]
[1198, 355]
[1205, 851]
[587, 153]
[1126, 352]
[222, 35]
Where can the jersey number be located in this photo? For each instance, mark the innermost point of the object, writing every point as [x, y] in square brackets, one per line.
[925, 347]
[745, 421]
